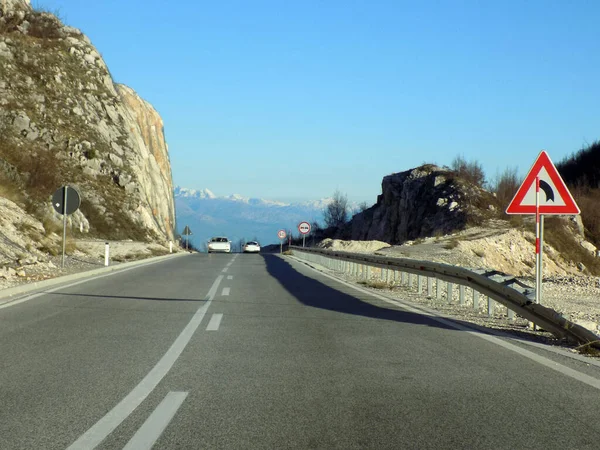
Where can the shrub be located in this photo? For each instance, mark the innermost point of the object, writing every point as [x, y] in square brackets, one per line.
[470, 171]
[505, 187]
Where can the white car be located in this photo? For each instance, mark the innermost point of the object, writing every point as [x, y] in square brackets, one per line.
[252, 247]
[219, 244]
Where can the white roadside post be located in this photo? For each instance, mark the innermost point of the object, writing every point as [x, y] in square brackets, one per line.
[106, 253]
[170, 246]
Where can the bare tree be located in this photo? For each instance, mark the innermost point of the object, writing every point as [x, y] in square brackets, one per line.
[336, 213]
[469, 170]
[505, 186]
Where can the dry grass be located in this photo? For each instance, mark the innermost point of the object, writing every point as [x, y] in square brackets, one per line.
[559, 234]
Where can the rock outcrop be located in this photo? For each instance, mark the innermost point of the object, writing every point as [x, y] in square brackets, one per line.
[64, 121]
[425, 201]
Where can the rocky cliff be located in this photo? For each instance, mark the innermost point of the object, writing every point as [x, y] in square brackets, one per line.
[425, 201]
[64, 121]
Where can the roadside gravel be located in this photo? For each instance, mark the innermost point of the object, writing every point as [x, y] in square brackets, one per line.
[89, 255]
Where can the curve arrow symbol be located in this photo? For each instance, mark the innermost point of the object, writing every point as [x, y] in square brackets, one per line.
[547, 190]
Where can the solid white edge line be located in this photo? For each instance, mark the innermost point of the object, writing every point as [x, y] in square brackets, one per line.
[64, 286]
[226, 291]
[154, 426]
[215, 322]
[112, 419]
[590, 381]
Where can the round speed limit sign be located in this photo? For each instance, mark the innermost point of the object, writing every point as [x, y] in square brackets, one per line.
[281, 234]
[304, 227]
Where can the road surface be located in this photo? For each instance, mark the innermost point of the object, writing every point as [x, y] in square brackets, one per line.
[229, 351]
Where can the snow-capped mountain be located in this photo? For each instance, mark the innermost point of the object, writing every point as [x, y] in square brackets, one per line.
[193, 193]
[238, 217]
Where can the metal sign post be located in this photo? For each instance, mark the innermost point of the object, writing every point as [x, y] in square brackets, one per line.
[544, 177]
[62, 262]
[65, 200]
[187, 232]
[304, 229]
[281, 235]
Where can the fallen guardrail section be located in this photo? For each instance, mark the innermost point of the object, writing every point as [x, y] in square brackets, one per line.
[517, 297]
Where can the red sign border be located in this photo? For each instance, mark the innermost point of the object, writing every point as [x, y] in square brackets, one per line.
[309, 227]
[543, 161]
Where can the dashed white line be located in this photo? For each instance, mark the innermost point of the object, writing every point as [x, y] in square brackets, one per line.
[154, 426]
[225, 291]
[230, 277]
[214, 323]
[225, 269]
[107, 424]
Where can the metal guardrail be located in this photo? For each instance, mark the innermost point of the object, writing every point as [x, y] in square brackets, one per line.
[504, 289]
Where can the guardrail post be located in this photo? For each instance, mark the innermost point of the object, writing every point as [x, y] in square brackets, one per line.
[510, 313]
[403, 278]
[449, 292]
[461, 295]
[429, 286]
[368, 273]
[419, 284]
[387, 276]
[381, 273]
[490, 303]
[409, 279]
[475, 299]
[395, 276]
[438, 289]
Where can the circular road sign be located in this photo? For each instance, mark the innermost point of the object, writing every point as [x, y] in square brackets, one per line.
[73, 200]
[304, 227]
[281, 234]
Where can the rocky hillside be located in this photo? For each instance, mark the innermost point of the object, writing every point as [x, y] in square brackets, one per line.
[64, 121]
[425, 201]
[455, 221]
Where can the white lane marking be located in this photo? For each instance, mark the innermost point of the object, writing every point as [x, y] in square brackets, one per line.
[230, 277]
[229, 263]
[214, 323]
[590, 381]
[225, 269]
[225, 292]
[64, 286]
[106, 425]
[154, 426]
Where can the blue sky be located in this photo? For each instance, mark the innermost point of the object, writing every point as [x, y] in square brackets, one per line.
[293, 100]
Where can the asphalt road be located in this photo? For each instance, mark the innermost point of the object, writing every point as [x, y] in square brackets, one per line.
[255, 351]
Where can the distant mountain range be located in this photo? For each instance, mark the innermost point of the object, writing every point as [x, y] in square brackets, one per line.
[238, 217]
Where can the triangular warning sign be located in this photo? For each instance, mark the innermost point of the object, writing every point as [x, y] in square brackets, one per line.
[554, 197]
[187, 231]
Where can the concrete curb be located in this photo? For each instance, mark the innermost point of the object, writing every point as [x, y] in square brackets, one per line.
[7, 295]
